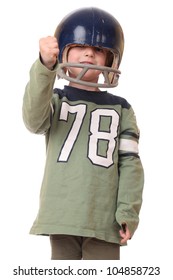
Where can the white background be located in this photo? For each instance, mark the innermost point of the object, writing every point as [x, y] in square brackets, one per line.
[146, 82]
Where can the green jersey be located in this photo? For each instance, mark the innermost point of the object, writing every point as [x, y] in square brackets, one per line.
[93, 177]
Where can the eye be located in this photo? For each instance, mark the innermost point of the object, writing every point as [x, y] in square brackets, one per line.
[97, 49]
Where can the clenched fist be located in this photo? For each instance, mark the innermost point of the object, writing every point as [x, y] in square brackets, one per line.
[49, 51]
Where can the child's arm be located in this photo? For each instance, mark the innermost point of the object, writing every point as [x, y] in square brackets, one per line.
[37, 99]
[131, 176]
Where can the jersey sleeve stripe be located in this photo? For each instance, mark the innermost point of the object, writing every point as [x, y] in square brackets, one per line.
[129, 155]
[128, 145]
[128, 133]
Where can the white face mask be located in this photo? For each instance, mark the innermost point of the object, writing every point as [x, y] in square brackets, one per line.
[110, 75]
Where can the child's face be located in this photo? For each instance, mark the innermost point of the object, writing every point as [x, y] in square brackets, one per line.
[86, 55]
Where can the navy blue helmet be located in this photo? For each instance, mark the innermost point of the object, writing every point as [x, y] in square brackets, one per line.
[92, 27]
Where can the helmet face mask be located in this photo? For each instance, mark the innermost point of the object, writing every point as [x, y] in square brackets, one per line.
[96, 28]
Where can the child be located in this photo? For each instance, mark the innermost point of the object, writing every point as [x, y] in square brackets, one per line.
[91, 192]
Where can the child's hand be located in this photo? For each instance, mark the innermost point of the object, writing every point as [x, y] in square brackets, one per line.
[49, 51]
[125, 234]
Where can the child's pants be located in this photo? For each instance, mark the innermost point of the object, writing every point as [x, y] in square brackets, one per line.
[68, 247]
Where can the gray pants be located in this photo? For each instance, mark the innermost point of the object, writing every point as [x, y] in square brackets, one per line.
[68, 247]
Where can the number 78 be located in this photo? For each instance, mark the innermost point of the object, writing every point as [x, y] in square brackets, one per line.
[95, 135]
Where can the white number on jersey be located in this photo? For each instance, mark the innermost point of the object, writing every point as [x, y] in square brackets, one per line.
[95, 136]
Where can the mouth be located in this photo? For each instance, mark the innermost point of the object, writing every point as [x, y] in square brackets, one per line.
[86, 62]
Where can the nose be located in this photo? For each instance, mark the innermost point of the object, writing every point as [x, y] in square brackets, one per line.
[89, 51]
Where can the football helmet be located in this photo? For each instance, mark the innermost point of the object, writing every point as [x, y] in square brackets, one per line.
[90, 27]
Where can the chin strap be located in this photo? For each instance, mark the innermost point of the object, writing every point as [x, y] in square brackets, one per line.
[111, 75]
